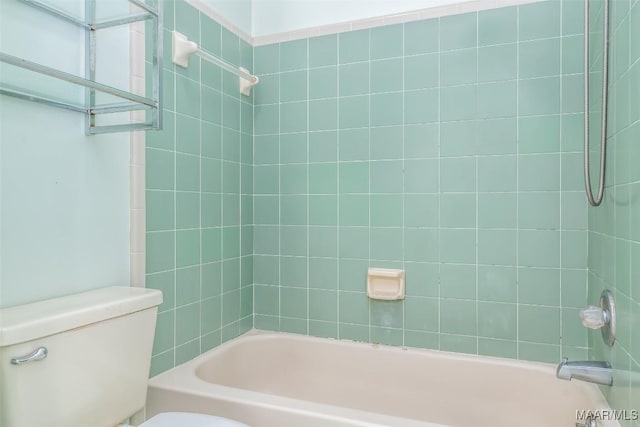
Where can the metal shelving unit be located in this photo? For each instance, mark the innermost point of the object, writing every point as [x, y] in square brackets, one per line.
[115, 100]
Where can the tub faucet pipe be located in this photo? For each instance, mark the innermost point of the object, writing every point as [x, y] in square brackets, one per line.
[590, 371]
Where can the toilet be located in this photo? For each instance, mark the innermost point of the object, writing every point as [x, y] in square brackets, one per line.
[83, 360]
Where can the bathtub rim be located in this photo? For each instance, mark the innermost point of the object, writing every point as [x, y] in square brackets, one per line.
[184, 378]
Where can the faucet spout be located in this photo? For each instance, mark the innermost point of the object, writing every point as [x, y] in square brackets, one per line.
[590, 371]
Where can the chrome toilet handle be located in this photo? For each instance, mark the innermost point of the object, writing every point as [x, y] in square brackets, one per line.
[37, 354]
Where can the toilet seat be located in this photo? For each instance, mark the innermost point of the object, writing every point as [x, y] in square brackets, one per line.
[188, 419]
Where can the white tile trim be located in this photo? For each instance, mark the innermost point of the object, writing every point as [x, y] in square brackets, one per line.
[207, 10]
[137, 210]
[416, 15]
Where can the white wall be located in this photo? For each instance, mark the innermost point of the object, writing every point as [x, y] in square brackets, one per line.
[278, 16]
[64, 196]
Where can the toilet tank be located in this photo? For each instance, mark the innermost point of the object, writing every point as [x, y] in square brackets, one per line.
[96, 368]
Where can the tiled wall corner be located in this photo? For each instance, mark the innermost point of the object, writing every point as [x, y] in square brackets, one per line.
[614, 227]
[199, 196]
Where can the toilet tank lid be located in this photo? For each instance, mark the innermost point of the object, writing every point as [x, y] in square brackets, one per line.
[40, 319]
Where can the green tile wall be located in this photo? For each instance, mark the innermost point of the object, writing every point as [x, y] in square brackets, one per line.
[199, 196]
[614, 227]
[449, 148]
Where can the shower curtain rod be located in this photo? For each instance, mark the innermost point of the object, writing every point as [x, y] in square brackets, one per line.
[183, 48]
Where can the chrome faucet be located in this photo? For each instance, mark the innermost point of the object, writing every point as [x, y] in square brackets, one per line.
[591, 371]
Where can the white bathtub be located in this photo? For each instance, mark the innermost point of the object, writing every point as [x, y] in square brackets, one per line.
[285, 380]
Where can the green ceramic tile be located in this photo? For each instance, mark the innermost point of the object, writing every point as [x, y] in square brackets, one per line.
[160, 169]
[421, 71]
[323, 82]
[293, 117]
[210, 316]
[187, 247]
[211, 245]
[458, 174]
[421, 140]
[539, 134]
[458, 317]
[497, 26]
[323, 329]
[353, 177]
[497, 320]
[385, 176]
[160, 251]
[497, 348]
[538, 352]
[230, 47]
[386, 41]
[421, 176]
[293, 302]
[386, 210]
[293, 55]
[187, 96]
[458, 343]
[497, 136]
[457, 281]
[497, 283]
[164, 334]
[187, 209]
[421, 314]
[530, 178]
[421, 210]
[323, 273]
[268, 91]
[267, 59]
[160, 210]
[458, 31]
[386, 75]
[497, 210]
[293, 210]
[323, 114]
[161, 363]
[323, 146]
[458, 103]
[421, 106]
[386, 142]
[497, 247]
[458, 210]
[539, 96]
[458, 246]
[323, 241]
[386, 109]
[267, 119]
[353, 112]
[186, 20]
[386, 336]
[187, 285]
[496, 100]
[386, 244]
[421, 36]
[539, 248]
[573, 53]
[293, 86]
[421, 245]
[211, 279]
[293, 240]
[266, 300]
[539, 20]
[458, 67]
[539, 58]
[497, 63]
[293, 147]
[353, 46]
[539, 324]
[187, 323]
[353, 242]
[539, 210]
[323, 210]
[323, 51]
[354, 210]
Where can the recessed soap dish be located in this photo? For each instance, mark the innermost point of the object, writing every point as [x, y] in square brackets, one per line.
[385, 284]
